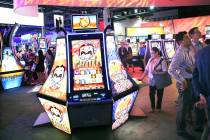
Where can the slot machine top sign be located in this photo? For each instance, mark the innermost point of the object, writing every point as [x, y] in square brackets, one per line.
[84, 22]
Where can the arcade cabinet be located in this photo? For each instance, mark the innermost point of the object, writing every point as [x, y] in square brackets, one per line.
[11, 71]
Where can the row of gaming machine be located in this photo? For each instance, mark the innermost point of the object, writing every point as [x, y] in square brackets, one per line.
[88, 85]
[166, 43]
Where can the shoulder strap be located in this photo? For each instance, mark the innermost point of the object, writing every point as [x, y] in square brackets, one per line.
[158, 63]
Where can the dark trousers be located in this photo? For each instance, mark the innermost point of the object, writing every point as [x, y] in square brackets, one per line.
[153, 90]
[206, 131]
[184, 104]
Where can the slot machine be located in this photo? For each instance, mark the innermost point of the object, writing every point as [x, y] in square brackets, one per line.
[11, 71]
[43, 45]
[123, 87]
[88, 85]
[169, 46]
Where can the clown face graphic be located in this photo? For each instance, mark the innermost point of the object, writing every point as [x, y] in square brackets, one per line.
[86, 52]
[57, 76]
[57, 115]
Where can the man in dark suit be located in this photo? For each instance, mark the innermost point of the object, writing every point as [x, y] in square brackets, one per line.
[201, 85]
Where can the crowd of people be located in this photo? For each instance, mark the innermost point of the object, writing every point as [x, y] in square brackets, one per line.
[190, 67]
[127, 58]
[37, 67]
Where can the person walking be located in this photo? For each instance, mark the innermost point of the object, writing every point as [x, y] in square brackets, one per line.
[155, 65]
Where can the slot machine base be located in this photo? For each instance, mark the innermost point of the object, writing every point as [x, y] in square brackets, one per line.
[41, 119]
[85, 114]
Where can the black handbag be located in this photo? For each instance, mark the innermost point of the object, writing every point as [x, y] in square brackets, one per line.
[162, 80]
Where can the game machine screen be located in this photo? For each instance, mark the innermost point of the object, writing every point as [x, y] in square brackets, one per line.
[169, 46]
[124, 89]
[53, 94]
[84, 22]
[134, 46]
[11, 72]
[43, 45]
[156, 42]
[88, 73]
[120, 39]
[207, 32]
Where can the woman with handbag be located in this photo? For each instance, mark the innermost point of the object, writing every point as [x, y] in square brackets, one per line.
[155, 66]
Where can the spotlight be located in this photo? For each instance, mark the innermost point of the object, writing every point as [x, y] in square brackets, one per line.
[125, 12]
[152, 7]
[135, 11]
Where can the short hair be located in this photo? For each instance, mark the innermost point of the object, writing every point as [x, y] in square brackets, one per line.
[192, 30]
[180, 36]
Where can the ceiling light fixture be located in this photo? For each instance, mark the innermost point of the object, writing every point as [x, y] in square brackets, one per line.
[152, 7]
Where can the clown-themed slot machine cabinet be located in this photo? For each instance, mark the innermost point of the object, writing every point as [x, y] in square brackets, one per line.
[123, 87]
[88, 85]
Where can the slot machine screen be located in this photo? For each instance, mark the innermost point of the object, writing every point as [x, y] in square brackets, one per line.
[156, 44]
[87, 64]
[42, 43]
[207, 32]
[84, 22]
[169, 46]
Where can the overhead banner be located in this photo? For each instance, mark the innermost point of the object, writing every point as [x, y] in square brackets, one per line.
[31, 6]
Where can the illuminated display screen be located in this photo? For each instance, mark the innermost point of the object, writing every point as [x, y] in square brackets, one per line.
[87, 64]
[120, 38]
[121, 109]
[207, 32]
[13, 79]
[42, 43]
[169, 47]
[83, 22]
[56, 83]
[169, 36]
[118, 75]
[156, 36]
[156, 44]
[57, 114]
